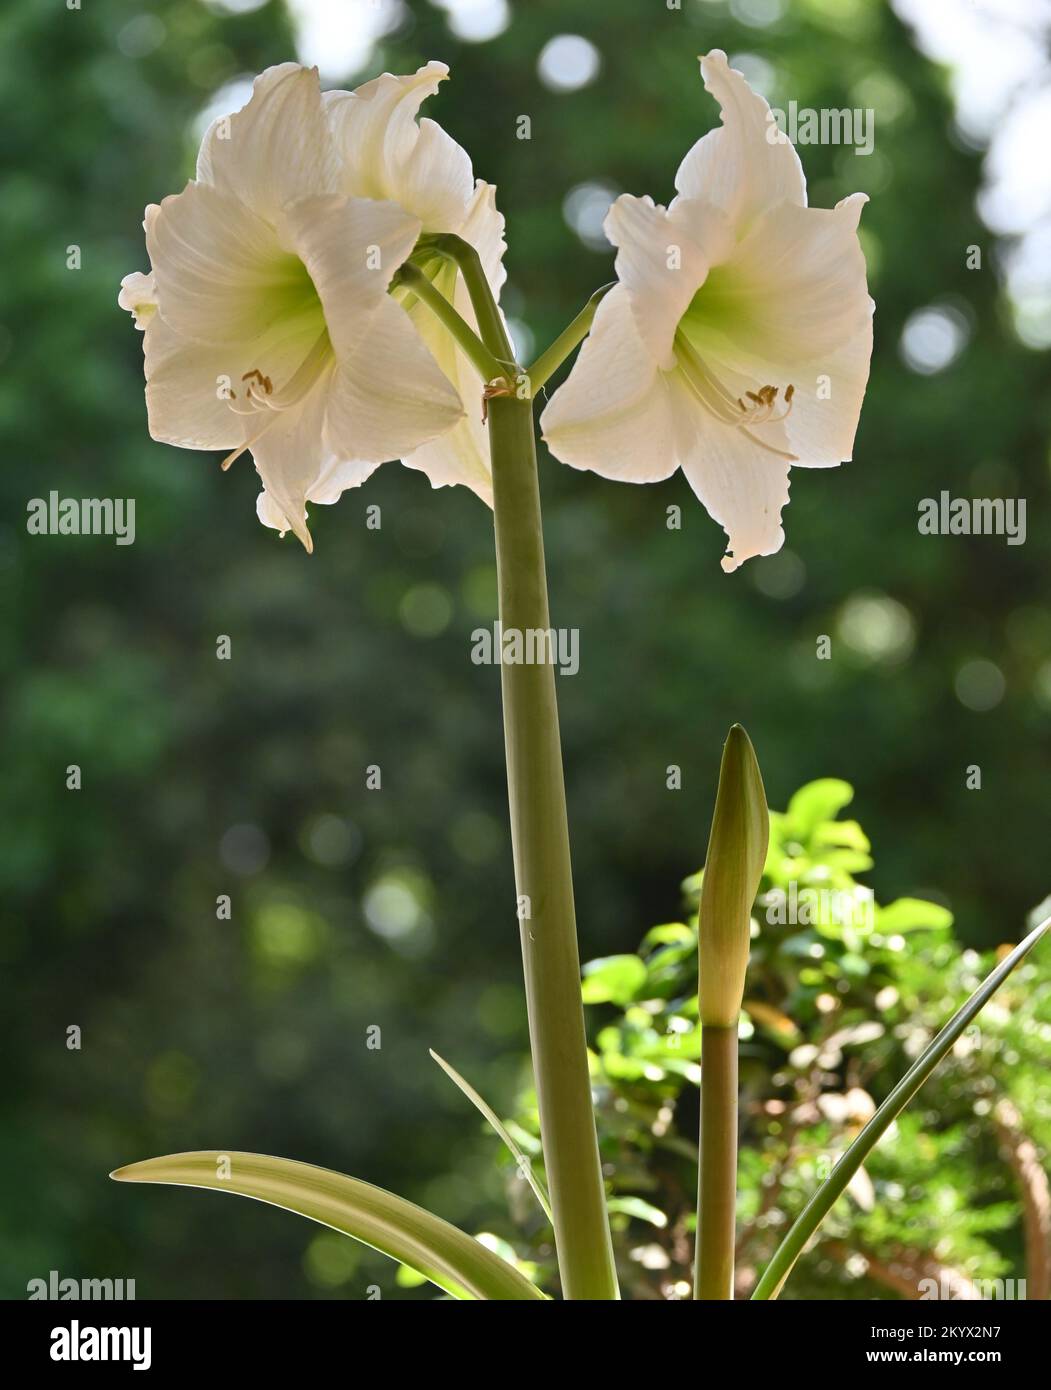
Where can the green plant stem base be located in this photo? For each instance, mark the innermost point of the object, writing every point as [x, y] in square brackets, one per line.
[717, 1179]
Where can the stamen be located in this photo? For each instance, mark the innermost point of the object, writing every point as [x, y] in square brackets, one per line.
[716, 399]
[260, 396]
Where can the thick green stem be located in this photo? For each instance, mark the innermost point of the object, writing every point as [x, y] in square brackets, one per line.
[540, 841]
[552, 357]
[717, 1183]
[539, 828]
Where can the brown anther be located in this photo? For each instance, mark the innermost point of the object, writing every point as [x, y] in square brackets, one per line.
[256, 375]
[789, 393]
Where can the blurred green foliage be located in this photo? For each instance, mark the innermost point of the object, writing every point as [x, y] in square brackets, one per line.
[842, 995]
[202, 778]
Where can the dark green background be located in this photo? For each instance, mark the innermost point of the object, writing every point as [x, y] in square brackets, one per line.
[251, 1033]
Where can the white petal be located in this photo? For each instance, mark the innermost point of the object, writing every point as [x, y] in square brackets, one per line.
[277, 148]
[662, 260]
[462, 454]
[744, 488]
[269, 513]
[383, 399]
[827, 405]
[291, 455]
[351, 248]
[386, 155]
[389, 396]
[799, 280]
[186, 399]
[743, 167]
[138, 294]
[437, 180]
[612, 413]
[791, 306]
[219, 269]
[483, 227]
[336, 478]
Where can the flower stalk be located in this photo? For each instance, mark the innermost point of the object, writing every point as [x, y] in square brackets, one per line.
[571, 336]
[543, 878]
[539, 825]
[733, 868]
[416, 281]
[717, 1182]
[490, 324]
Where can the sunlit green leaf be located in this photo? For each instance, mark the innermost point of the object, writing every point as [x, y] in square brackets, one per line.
[911, 914]
[446, 1256]
[613, 979]
[817, 802]
[642, 1211]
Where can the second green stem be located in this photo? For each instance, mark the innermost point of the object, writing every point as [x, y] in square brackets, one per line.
[717, 1202]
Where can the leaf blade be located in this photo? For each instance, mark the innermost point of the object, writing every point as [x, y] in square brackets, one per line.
[815, 1211]
[488, 1113]
[445, 1255]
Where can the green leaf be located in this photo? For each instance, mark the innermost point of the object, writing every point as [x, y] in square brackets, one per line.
[446, 1256]
[912, 914]
[815, 803]
[525, 1168]
[815, 1211]
[613, 979]
[668, 934]
[642, 1211]
[846, 833]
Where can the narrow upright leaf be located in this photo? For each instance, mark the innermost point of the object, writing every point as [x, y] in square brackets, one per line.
[525, 1168]
[815, 1211]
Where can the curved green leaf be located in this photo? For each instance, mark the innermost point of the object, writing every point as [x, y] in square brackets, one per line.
[525, 1168]
[815, 1211]
[454, 1261]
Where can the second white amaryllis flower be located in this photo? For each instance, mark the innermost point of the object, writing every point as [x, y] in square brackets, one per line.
[268, 326]
[384, 152]
[737, 341]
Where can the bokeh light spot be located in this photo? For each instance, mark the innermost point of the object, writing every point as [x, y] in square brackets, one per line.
[980, 685]
[877, 628]
[568, 62]
[933, 338]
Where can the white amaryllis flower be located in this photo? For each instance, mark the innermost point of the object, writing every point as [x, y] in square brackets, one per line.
[384, 153]
[737, 341]
[267, 321]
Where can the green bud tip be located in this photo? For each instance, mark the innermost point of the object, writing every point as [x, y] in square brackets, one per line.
[732, 871]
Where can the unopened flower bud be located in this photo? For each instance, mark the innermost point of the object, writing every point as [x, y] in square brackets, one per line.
[732, 871]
